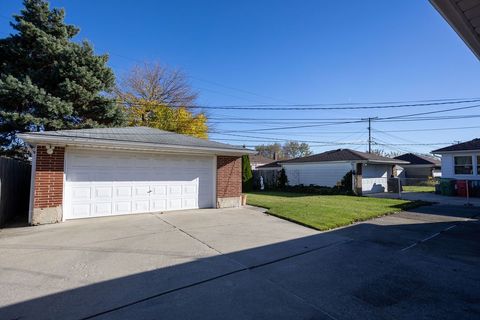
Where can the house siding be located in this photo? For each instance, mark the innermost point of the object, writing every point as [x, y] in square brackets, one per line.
[448, 166]
[321, 174]
[375, 178]
[229, 181]
[48, 186]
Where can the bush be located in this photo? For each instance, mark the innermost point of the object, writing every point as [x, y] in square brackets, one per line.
[282, 179]
[247, 175]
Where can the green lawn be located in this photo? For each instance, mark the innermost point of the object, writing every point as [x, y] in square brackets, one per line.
[326, 212]
[418, 188]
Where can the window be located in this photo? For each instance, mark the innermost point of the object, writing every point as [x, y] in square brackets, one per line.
[478, 165]
[463, 165]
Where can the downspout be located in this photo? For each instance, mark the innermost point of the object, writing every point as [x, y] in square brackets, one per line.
[354, 178]
[33, 152]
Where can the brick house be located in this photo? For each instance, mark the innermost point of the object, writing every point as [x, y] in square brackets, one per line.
[114, 171]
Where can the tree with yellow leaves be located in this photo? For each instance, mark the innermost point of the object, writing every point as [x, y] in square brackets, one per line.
[157, 97]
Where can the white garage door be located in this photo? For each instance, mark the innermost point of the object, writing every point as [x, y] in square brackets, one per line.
[103, 183]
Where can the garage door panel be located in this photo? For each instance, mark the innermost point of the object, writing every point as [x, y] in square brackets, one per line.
[175, 190]
[123, 207]
[81, 193]
[141, 191]
[80, 210]
[189, 190]
[102, 209]
[158, 205]
[159, 190]
[100, 183]
[141, 205]
[123, 191]
[103, 192]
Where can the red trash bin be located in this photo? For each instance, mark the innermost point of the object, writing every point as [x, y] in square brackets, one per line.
[461, 186]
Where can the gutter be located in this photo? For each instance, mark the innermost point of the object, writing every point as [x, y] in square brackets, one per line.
[118, 144]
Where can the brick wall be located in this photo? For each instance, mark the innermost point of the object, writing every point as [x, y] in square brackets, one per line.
[229, 177]
[49, 178]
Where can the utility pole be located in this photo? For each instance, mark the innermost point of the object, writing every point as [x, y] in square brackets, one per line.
[370, 132]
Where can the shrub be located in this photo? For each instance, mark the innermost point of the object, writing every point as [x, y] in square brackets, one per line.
[282, 179]
[247, 175]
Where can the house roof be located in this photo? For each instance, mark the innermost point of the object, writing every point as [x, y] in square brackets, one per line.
[464, 146]
[128, 136]
[414, 159]
[274, 164]
[345, 155]
[464, 17]
[256, 158]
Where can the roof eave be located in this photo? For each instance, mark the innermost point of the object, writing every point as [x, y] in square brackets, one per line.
[387, 162]
[454, 151]
[457, 20]
[86, 142]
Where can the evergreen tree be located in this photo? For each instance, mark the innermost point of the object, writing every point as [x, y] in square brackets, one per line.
[247, 175]
[49, 82]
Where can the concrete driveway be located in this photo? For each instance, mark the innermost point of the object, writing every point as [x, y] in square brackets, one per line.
[242, 264]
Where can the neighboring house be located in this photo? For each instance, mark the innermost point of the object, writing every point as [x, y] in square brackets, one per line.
[257, 160]
[371, 171]
[275, 166]
[115, 171]
[461, 161]
[464, 17]
[419, 167]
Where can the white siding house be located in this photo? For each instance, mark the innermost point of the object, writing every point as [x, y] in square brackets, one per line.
[324, 174]
[461, 161]
[371, 172]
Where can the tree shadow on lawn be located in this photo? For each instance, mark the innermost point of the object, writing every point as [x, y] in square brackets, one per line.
[355, 272]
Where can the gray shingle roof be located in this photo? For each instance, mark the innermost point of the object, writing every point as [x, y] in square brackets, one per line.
[343, 155]
[419, 159]
[137, 134]
[464, 146]
[274, 164]
[256, 158]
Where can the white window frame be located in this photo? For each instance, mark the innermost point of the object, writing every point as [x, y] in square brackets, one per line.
[471, 156]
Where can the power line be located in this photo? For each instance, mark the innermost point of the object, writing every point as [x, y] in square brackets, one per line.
[431, 112]
[317, 106]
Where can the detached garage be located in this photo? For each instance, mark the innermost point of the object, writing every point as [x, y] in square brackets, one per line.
[115, 171]
[371, 171]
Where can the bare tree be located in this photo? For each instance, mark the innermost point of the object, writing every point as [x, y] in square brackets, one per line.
[155, 82]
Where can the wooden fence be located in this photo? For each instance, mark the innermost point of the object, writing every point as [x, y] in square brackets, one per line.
[14, 190]
[270, 178]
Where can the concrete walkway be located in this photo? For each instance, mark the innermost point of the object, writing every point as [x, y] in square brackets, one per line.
[430, 197]
[243, 264]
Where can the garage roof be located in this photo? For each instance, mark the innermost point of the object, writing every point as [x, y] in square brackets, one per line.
[345, 155]
[128, 136]
[414, 158]
[464, 17]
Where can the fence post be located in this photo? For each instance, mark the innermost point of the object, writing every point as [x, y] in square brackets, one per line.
[399, 188]
[468, 195]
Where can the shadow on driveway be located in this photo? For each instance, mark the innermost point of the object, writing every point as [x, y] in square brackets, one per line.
[415, 265]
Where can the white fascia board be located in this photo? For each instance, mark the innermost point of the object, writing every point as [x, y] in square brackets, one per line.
[458, 151]
[318, 162]
[86, 142]
[399, 162]
[420, 165]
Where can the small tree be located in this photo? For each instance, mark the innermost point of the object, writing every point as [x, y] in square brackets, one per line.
[158, 97]
[247, 175]
[282, 179]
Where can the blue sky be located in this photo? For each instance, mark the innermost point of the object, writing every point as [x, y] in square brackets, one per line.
[294, 52]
